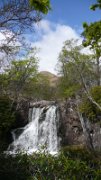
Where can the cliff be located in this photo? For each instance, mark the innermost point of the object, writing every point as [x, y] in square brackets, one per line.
[73, 128]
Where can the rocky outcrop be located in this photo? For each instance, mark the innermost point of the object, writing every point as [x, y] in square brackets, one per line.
[71, 129]
[96, 136]
[21, 115]
[78, 130]
[42, 103]
[92, 133]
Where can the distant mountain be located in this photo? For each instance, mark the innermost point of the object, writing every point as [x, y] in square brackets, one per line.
[52, 77]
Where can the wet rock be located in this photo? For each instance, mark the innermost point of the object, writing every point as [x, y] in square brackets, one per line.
[42, 103]
[71, 129]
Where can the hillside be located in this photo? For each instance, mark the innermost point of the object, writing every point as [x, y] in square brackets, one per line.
[51, 77]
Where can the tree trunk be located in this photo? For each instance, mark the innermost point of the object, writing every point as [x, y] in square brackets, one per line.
[87, 91]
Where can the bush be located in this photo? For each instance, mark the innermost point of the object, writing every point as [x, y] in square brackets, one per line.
[14, 168]
[7, 116]
[70, 164]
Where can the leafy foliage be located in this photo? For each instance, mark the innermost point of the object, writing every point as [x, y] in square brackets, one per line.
[41, 5]
[18, 76]
[66, 88]
[76, 69]
[91, 111]
[71, 163]
[17, 16]
[92, 35]
[92, 38]
[45, 90]
[7, 116]
[14, 167]
[96, 5]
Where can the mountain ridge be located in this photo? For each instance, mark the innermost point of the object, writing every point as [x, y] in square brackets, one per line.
[53, 79]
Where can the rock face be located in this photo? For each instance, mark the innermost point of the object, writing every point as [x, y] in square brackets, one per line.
[42, 103]
[71, 129]
[96, 136]
[22, 115]
[78, 130]
[92, 133]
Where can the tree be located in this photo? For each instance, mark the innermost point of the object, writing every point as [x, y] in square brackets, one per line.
[15, 15]
[18, 15]
[41, 5]
[18, 76]
[96, 5]
[40, 89]
[92, 38]
[78, 78]
[74, 65]
[78, 69]
[7, 116]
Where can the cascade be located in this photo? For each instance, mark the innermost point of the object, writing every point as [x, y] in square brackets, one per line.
[40, 133]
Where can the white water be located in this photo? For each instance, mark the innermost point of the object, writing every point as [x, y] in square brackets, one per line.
[40, 134]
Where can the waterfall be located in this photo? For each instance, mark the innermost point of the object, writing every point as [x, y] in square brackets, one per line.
[39, 134]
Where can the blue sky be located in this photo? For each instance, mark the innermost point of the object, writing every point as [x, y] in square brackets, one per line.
[63, 22]
[73, 12]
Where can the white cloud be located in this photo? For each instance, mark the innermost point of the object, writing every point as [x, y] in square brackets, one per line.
[50, 42]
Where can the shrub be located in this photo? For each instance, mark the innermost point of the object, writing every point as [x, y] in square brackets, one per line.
[7, 116]
[71, 164]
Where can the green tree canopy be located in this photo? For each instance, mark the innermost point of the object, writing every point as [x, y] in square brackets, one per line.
[76, 69]
[92, 35]
[19, 75]
[17, 16]
[41, 5]
[92, 38]
[96, 5]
